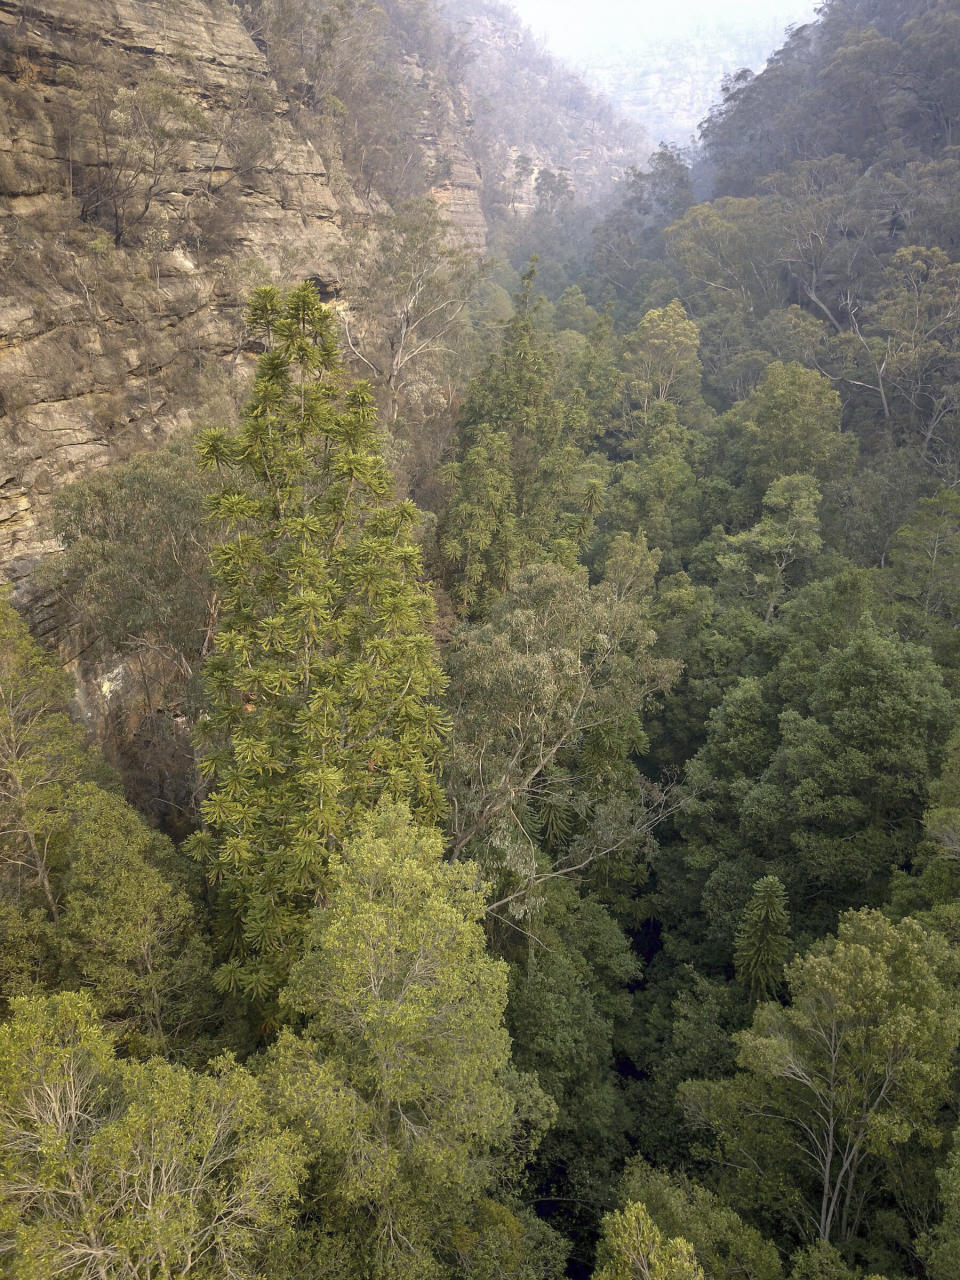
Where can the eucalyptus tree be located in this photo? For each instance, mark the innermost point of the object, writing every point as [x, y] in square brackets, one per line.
[834, 1084]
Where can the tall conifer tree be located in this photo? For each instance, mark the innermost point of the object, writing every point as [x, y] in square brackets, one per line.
[762, 942]
[320, 695]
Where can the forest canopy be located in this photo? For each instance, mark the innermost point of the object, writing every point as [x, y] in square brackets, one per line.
[537, 850]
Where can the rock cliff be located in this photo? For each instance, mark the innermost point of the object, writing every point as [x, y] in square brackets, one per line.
[148, 177]
[533, 114]
[159, 158]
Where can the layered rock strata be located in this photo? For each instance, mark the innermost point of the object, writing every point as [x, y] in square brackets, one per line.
[148, 178]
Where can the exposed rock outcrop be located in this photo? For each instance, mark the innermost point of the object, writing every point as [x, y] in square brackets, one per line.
[151, 173]
[458, 193]
[148, 178]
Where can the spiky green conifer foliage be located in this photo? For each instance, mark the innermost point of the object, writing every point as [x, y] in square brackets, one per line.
[762, 943]
[320, 694]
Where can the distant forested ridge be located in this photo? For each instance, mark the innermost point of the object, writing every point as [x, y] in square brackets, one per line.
[670, 78]
[525, 843]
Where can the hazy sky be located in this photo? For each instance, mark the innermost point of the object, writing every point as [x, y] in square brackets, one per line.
[577, 31]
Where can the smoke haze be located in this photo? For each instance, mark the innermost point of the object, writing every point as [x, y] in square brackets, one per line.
[580, 32]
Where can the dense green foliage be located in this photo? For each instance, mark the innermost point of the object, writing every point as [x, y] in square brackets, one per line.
[91, 898]
[113, 1167]
[319, 692]
[608, 923]
[399, 1077]
[853, 1068]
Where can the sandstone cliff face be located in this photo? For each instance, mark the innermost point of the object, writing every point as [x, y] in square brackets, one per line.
[148, 178]
[445, 137]
[151, 173]
[459, 191]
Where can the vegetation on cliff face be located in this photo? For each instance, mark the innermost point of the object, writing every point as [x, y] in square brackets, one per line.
[560, 878]
[158, 162]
